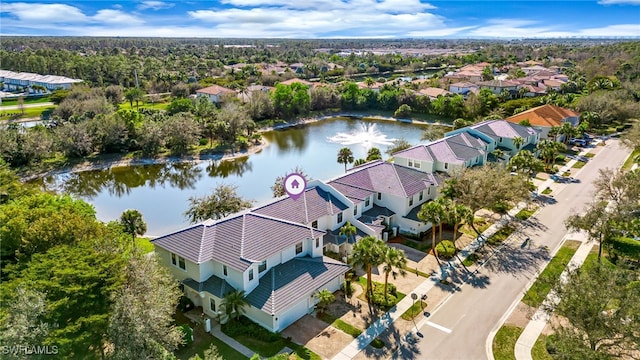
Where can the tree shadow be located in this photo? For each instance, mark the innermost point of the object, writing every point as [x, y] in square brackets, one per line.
[516, 260]
[408, 349]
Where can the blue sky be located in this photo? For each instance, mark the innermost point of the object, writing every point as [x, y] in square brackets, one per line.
[323, 18]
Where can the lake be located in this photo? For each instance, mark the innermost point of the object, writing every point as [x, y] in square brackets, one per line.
[161, 192]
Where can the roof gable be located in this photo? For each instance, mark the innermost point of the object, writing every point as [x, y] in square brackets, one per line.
[312, 205]
[214, 90]
[504, 129]
[545, 115]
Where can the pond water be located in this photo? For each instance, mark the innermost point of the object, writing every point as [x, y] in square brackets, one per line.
[161, 192]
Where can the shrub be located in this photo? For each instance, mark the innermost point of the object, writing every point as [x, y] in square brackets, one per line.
[379, 299]
[446, 249]
[347, 288]
[185, 304]
[246, 327]
[187, 335]
[203, 142]
[377, 343]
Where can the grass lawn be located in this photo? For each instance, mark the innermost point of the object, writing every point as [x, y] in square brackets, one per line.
[414, 310]
[630, 160]
[505, 341]
[589, 155]
[27, 100]
[547, 191]
[416, 271]
[524, 214]
[423, 246]
[28, 113]
[148, 105]
[540, 289]
[480, 223]
[539, 349]
[579, 165]
[471, 259]
[501, 235]
[144, 245]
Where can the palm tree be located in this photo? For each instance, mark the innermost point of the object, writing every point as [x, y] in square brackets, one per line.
[554, 131]
[458, 214]
[133, 224]
[325, 297]
[393, 259]
[498, 153]
[347, 230]
[518, 142]
[567, 130]
[359, 162]
[373, 154]
[432, 212]
[548, 151]
[345, 156]
[367, 254]
[234, 304]
[369, 81]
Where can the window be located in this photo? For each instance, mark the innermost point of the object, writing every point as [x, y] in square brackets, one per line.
[173, 259]
[410, 163]
[411, 201]
[317, 242]
[224, 270]
[314, 224]
[446, 165]
[339, 218]
[500, 139]
[250, 274]
[367, 201]
[379, 196]
[416, 165]
[355, 210]
[421, 195]
[298, 248]
[262, 267]
[181, 263]
[212, 304]
[428, 191]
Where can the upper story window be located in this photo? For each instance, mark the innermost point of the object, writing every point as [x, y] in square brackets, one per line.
[262, 267]
[250, 274]
[225, 270]
[367, 201]
[429, 191]
[339, 218]
[298, 248]
[416, 165]
[411, 201]
[410, 162]
[446, 165]
[317, 242]
[421, 195]
[355, 210]
[178, 261]
[212, 304]
[314, 224]
[379, 196]
[500, 139]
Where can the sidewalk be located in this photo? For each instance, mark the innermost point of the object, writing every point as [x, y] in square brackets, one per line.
[539, 320]
[215, 331]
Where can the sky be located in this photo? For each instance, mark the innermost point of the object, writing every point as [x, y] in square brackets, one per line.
[323, 18]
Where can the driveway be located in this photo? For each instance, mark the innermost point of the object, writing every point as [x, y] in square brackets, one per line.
[323, 339]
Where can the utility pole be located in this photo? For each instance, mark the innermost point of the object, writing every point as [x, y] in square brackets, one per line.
[135, 72]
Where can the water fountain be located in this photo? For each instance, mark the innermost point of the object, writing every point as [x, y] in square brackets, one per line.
[368, 136]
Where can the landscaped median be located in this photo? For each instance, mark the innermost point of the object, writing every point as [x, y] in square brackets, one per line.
[505, 340]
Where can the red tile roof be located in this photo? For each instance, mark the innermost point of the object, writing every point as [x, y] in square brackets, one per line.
[545, 115]
[215, 90]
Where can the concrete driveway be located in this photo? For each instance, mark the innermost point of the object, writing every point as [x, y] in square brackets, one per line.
[323, 339]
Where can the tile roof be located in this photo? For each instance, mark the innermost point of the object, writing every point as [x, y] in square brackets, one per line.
[503, 128]
[237, 241]
[334, 237]
[545, 115]
[214, 90]
[498, 83]
[387, 178]
[312, 205]
[454, 149]
[213, 285]
[286, 284]
[413, 213]
[463, 84]
[434, 92]
[296, 80]
[353, 193]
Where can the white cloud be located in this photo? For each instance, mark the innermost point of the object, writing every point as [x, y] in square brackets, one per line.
[111, 16]
[55, 13]
[515, 28]
[154, 5]
[612, 2]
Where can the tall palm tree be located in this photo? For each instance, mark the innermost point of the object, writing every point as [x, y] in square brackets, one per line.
[345, 156]
[325, 297]
[234, 304]
[432, 212]
[133, 224]
[394, 258]
[458, 214]
[348, 230]
[553, 132]
[567, 130]
[498, 153]
[518, 142]
[367, 254]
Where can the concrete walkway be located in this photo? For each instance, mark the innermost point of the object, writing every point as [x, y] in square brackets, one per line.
[25, 106]
[215, 331]
[539, 320]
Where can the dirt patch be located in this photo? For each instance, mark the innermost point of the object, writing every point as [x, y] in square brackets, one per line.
[521, 315]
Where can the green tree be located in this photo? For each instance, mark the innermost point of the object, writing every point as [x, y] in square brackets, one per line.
[456, 215]
[22, 321]
[345, 156]
[548, 151]
[181, 132]
[393, 264]
[141, 320]
[133, 224]
[498, 153]
[234, 304]
[518, 142]
[132, 95]
[223, 202]
[526, 162]
[348, 231]
[398, 145]
[325, 298]
[567, 130]
[278, 186]
[434, 213]
[487, 73]
[373, 154]
[367, 254]
[180, 105]
[597, 222]
[359, 162]
[631, 138]
[403, 111]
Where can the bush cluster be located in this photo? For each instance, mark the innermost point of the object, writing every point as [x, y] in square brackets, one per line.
[187, 335]
[244, 326]
[379, 299]
[446, 249]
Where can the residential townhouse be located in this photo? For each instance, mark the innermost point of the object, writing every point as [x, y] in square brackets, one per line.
[545, 117]
[500, 134]
[21, 80]
[215, 93]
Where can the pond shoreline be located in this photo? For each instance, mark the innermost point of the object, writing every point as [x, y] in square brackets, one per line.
[102, 164]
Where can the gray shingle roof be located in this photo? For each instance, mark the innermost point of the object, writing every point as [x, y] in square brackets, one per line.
[334, 237]
[503, 128]
[213, 285]
[312, 205]
[288, 283]
[237, 241]
[387, 178]
[413, 213]
[353, 193]
[454, 149]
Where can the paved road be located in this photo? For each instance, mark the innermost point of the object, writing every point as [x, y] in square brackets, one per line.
[458, 329]
[26, 106]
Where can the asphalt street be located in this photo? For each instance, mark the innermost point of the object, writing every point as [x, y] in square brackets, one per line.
[459, 328]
